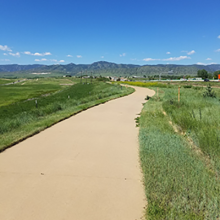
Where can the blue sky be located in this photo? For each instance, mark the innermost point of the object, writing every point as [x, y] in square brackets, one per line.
[138, 32]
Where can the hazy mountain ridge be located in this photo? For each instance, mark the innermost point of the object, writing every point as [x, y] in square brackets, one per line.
[108, 68]
[17, 67]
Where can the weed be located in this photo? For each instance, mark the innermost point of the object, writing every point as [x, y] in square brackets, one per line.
[137, 120]
[209, 92]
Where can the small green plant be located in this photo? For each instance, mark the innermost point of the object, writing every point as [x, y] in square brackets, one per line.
[137, 120]
[209, 92]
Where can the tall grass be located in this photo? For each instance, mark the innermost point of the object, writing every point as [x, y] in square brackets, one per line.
[198, 117]
[178, 183]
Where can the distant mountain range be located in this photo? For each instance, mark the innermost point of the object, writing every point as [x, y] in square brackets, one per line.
[106, 68]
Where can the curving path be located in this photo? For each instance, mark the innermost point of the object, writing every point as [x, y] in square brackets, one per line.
[84, 168]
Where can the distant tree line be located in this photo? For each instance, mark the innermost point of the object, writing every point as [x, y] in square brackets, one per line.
[205, 75]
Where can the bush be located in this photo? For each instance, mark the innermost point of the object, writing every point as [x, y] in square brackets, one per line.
[147, 98]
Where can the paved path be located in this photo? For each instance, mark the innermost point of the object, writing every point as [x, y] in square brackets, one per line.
[84, 168]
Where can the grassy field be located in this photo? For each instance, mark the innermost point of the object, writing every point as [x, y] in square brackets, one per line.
[193, 83]
[145, 84]
[27, 74]
[197, 118]
[24, 118]
[5, 81]
[30, 89]
[179, 153]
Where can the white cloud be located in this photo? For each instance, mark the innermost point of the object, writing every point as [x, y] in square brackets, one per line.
[199, 63]
[191, 52]
[205, 64]
[47, 54]
[122, 55]
[5, 48]
[38, 60]
[168, 53]
[5, 54]
[69, 56]
[208, 59]
[56, 61]
[102, 57]
[177, 58]
[79, 56]
[27, 53]
[41, 54]
[150, 59]
[5, 60]
[37, 54]
[218, 36]
[15, 54]
[218, 50]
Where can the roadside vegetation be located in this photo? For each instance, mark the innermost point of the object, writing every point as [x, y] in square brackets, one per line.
[193, 83]
[197, 117]
[27, 117]
[180, 152]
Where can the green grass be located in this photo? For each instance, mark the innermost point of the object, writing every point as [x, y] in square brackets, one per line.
[145, 84]
[30, 89]
[198, 117]
[6, 81]
[23, 118]
[178, 182]
[193, 83]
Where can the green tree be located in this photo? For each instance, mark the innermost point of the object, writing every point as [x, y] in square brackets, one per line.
[210, 76]
[202, 73]
[216, 73]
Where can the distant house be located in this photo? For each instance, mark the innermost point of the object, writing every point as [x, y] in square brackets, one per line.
[113, 78]
[123, 79]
